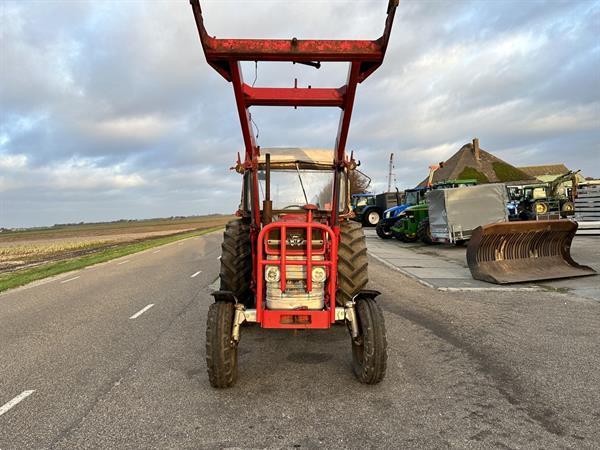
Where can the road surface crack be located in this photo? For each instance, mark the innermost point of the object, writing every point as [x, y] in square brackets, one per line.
[504, 379]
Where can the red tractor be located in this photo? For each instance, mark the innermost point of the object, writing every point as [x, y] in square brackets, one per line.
[294, 259]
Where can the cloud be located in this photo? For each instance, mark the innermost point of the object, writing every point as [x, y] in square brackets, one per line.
[109, 110]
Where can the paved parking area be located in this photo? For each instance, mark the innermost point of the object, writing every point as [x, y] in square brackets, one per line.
[444, 267]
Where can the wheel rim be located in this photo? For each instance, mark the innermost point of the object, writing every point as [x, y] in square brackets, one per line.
[373, 218]
[541, 208]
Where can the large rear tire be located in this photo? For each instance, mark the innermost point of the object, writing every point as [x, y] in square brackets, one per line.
[236, 261]
[369, 349]
[424, 232]
[352, 262]
[221, 351]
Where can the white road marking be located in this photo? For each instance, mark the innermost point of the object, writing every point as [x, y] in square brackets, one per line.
[156, 251]
[18, 399]
[142, 311]
[123, 262]
[70, 279]
[196, 274]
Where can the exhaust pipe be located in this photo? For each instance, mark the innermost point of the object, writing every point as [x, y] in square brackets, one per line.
[516, 252]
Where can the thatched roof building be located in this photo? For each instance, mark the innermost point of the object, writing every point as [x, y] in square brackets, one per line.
[471, 161]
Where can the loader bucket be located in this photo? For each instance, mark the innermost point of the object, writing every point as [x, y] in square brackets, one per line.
[514, 252]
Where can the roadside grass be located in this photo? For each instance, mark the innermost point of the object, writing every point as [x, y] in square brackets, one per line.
[21, 277]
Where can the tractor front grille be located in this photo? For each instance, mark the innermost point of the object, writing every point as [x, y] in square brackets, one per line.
[295, 295]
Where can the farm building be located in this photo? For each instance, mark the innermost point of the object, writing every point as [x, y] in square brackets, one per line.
[548, 172]
[472, 162]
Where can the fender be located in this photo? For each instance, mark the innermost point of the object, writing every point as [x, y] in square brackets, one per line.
[224, 296]
[366, 294]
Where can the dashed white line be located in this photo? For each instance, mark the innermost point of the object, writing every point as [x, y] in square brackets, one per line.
[156, 251]
[123, 262]
[142, 311]
[18, 399]
[70, 279]
[196, 274]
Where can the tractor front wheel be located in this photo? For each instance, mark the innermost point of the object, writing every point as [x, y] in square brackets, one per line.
[369, 349]
[384, 231]
[409, 237]
[221, 351]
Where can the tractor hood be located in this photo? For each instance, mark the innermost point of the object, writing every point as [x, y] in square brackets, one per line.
[395, 210]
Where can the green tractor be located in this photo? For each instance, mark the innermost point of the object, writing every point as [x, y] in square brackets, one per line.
[413, 223]
[408, 227]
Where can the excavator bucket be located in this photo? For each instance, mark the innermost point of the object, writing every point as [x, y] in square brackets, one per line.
[514, 252]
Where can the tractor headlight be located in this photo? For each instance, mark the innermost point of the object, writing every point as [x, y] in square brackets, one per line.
[272, 274]
[387, 214]
[318, 274]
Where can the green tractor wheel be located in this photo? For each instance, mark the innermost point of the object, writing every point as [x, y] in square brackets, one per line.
[410, 237]
[424, 232]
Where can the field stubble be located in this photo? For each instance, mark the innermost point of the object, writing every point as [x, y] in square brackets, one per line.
[30, 248]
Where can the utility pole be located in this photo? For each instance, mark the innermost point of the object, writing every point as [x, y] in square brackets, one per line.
[389, 189]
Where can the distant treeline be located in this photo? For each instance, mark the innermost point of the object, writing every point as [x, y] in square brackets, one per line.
[120, 221]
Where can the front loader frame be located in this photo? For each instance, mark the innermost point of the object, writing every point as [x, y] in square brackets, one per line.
[225, 56]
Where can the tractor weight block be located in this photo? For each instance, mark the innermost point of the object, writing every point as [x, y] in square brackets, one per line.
[515, 252]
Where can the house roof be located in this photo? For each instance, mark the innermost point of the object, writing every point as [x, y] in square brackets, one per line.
[546, 169]
[487, 169]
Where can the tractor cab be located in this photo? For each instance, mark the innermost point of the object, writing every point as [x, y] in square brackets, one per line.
[361, 201]
[290, 179]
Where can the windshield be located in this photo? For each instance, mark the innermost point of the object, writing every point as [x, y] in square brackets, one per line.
[362, 200]
[412, 197]
[292, 189]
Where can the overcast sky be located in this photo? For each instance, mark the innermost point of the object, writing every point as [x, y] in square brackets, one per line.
[108, 110]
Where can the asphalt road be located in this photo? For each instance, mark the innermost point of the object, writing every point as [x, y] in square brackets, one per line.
[467, 370]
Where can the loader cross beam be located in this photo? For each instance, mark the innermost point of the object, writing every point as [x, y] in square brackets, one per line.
[364, 56]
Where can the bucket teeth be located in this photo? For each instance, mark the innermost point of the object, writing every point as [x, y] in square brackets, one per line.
[515, 252]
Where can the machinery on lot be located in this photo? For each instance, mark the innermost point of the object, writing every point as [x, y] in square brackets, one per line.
[294, 260]
[543, 201]
[390, 215]
[407, 226]
[455, 213]
[514, 252]
[412, 223]
[368, 208]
